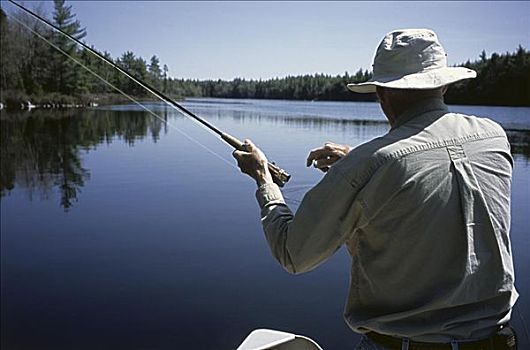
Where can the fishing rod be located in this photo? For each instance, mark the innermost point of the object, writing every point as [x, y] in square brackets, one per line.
[279, 175]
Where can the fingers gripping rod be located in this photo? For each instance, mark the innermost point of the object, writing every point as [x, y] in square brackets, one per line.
[279, 175]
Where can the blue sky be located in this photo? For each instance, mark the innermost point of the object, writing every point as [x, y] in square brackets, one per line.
[225, 40]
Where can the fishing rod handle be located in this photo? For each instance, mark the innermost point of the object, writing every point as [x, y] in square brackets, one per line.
[279, 176]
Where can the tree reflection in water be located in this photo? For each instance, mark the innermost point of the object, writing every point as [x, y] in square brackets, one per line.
[41, 150]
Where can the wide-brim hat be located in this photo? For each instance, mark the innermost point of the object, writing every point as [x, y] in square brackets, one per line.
[411, 59]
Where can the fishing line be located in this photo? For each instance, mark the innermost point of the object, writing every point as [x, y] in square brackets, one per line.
[125, 94]
[279, 176]
[290, 194]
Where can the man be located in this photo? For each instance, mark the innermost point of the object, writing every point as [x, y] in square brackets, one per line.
[423, 210]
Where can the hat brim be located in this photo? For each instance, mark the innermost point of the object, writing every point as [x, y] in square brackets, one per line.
[430, 79]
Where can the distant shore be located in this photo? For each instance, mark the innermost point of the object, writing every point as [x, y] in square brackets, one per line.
[18, 101]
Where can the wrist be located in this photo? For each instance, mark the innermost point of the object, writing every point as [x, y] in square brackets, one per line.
[263, 176]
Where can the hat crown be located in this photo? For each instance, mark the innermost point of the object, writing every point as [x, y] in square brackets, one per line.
[411, 59]
[408, 51]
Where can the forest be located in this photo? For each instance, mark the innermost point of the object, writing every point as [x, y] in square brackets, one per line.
[32, 70]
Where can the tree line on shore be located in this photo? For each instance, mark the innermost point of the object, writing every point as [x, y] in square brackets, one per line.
[32, 70]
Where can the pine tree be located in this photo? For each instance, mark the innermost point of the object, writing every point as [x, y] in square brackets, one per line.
[10, 75]
[137, 67]
[66, 76]
[165, 77]
[155, 73]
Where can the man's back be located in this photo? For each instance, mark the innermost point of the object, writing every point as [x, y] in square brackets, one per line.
[423, 210]
[430, 248]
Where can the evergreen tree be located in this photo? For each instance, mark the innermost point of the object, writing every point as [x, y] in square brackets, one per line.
[137, 67]
[11, 77]
[29, 66]
[66, 76]
[483, 56]
[503, 79]
[25, 57]
[103, 69]
[37, 65]
[165, 78]
[155, 73]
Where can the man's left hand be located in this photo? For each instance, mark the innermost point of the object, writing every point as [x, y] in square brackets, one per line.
[324, 157]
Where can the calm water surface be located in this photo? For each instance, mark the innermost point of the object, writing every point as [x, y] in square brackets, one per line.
[119, 232]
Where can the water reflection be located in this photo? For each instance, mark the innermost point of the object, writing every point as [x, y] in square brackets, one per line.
[41, 151]
[151, 254]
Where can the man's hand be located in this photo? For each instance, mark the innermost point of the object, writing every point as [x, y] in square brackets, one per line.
[253, 163]
[324, 157]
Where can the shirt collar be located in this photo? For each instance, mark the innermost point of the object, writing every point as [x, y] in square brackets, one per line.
[421, 107]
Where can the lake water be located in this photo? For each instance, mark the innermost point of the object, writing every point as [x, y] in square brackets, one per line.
[118, 231]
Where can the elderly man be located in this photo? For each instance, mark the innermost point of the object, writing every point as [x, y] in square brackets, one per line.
[423, 210]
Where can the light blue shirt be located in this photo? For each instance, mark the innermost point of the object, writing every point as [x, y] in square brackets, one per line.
[424, 212]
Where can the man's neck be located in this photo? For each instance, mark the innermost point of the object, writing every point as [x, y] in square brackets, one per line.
[406, 112]
[395, 102]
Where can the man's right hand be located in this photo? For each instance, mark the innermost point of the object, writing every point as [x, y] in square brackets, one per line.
[324, 157]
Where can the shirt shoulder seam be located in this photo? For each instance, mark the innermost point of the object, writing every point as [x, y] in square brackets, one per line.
[438, 144]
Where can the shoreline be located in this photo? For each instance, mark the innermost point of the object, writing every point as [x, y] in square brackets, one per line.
[21, 102]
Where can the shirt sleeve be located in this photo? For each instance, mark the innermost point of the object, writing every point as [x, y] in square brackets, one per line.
[325, 219]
